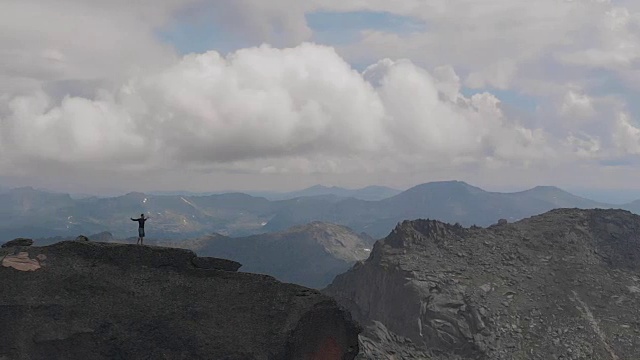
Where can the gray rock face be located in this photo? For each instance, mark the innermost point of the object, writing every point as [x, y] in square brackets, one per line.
[88, 300]
[215, 264]
[379, 343]
[565, 284]
[17, 242]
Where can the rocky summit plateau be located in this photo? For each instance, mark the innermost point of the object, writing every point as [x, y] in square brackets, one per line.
[87, 300]
[561, 285]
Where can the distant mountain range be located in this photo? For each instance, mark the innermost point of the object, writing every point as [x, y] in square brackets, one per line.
[371, 193]
[27, 212]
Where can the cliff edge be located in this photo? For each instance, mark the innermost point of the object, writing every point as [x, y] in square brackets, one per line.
[86, 300]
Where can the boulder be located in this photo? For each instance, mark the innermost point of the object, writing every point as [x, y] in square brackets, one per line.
[211, 263]
[21, 261]
[18, 242]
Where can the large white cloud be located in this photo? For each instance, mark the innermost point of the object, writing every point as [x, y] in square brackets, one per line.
[273, 105]
[86, 88]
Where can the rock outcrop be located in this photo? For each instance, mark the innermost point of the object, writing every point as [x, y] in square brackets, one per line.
[562, 285]
[17, 242]
[88, 300]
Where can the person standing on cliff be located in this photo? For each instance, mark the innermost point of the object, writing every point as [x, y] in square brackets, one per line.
[140, 221]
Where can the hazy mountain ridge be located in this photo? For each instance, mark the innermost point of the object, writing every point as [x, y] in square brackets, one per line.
[309, 255]
[373, 192]
[34, 213]
[447, 201]
[369, 193]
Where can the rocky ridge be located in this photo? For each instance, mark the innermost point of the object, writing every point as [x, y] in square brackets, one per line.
[87, 300]
[562, 285]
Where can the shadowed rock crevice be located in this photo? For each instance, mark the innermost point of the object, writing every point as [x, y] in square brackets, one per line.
[321, 334]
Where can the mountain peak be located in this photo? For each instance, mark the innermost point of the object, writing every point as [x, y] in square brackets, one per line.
[440, 188]
[450, 184]
[548, 188]
[338, 240]
[135, 194]
[317, 188]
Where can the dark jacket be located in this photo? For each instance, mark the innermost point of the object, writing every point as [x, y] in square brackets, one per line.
[140, 222]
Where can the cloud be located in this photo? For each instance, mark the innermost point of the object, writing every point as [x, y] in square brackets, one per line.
[584, 145]
[497, 75]
[94, 88]
[269, 106]
[292, 110]
[77, 130]
[72, 41]
[263, 102]
[429, 118]
[616, 44]
[577, 105]
[277, 22]
[532, 47]
[627, 135]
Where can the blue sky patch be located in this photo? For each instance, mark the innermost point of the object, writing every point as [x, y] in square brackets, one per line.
[330, 28]
[343, 28]
[202, 36]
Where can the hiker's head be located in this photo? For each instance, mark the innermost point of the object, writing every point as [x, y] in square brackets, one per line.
[142, 215]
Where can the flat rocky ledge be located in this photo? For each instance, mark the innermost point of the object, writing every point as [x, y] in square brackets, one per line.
[87, 300]
[20, 255]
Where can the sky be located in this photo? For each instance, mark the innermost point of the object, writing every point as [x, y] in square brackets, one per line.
[107, 97]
